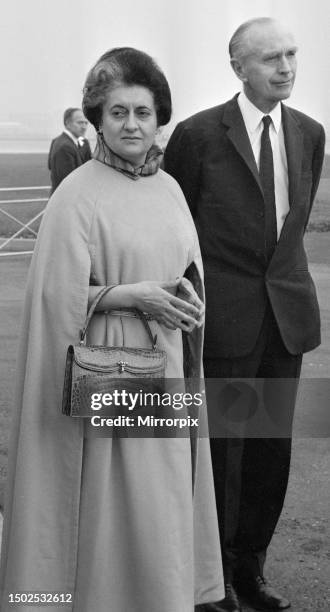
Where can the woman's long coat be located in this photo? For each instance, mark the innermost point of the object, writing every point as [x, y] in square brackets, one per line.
[117, 523]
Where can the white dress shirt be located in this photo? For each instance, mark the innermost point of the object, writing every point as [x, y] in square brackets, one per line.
[77, 141]
[252, 117]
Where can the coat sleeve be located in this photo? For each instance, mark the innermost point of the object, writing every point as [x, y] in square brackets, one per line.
[182, 161]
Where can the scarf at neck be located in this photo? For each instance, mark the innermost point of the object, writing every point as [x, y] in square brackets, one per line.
[104, 154]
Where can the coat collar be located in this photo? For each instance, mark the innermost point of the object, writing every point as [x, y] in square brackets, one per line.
[238, 135]
[71, 137]
[293, 136]
[253, 116]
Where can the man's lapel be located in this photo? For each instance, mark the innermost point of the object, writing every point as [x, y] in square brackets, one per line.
[293, 138]
[68, 138]
[238, 135]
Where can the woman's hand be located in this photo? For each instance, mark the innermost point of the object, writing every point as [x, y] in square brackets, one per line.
[182, 311]
[173, 304]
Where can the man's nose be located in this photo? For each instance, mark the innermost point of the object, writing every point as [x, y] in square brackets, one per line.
[130, 123]
[285, 65]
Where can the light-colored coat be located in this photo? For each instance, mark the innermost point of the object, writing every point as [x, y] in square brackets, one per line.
[115, 522]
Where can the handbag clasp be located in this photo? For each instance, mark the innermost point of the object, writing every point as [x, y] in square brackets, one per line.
[122, 365]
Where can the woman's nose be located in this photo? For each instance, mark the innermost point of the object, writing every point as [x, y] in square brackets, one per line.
[130, 122]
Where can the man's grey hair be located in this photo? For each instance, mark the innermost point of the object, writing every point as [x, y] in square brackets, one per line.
[237, 41]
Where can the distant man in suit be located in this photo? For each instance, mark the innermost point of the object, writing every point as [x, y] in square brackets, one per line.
[70, 149]
[249, 169]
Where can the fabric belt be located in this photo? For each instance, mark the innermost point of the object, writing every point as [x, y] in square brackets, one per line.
[128, 313]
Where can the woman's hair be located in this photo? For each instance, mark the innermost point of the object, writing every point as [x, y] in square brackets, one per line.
[127, 66]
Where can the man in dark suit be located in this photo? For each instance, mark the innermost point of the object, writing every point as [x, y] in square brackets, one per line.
[249, 169]
[70, 149]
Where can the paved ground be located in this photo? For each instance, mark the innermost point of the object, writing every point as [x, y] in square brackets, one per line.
[299, 558]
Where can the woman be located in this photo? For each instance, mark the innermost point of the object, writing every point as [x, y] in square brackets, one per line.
[117, 523]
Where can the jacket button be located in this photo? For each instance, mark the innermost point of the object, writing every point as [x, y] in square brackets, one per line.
[261, 214]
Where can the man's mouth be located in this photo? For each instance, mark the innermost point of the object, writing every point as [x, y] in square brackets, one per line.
[283, 82]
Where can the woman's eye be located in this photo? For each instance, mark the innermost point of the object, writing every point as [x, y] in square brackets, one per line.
[118, 113]
[143, 114]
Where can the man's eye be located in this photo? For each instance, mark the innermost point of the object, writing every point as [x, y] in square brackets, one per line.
[143, 113]
[118, 113]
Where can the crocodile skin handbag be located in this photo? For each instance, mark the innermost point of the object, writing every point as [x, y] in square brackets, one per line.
[102, 369]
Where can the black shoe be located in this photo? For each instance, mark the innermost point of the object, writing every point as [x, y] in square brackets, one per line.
[257, 592]
[229, 604]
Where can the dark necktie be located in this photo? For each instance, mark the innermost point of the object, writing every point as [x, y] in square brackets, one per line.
[266, 172]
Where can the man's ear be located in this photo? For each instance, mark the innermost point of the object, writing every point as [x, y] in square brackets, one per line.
[238, 68]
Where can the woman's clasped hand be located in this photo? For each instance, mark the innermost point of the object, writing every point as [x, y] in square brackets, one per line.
[173, 304]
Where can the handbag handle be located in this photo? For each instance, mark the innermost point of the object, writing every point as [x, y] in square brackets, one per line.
[139, 313]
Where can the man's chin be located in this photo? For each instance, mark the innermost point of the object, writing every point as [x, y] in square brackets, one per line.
[283, 93]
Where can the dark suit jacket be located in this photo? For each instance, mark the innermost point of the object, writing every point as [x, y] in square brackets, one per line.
[64, 156]
[211, 157]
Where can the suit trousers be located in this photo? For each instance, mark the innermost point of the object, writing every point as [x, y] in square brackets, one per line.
[251, 474]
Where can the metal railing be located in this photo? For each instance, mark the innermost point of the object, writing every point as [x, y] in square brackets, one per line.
[22, 226]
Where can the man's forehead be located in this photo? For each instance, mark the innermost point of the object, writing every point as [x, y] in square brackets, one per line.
[268, 37]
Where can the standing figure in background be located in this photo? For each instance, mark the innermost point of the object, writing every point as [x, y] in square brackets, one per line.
[69, 150]
[249, 169]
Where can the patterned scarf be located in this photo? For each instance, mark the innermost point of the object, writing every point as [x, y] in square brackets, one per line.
[104, 154]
